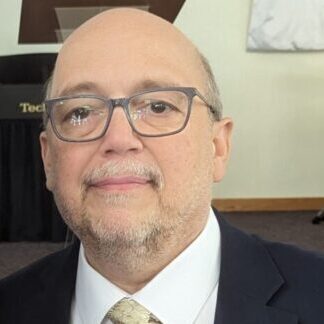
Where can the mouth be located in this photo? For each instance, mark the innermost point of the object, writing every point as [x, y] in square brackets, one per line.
[121, 183]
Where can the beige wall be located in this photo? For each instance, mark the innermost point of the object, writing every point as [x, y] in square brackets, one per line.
[275, 99]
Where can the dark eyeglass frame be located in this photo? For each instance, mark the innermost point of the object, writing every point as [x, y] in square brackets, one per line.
[111, 104]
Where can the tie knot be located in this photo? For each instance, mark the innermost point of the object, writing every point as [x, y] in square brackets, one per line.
[128, 311]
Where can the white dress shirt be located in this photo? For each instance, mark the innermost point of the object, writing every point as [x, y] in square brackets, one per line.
[185, 291]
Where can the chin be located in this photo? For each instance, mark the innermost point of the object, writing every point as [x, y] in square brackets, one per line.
[116, 219]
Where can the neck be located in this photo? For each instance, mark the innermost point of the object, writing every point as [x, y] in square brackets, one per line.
[131, 269]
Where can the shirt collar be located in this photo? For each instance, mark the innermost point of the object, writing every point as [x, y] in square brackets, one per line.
[94, 294]
[188, 280]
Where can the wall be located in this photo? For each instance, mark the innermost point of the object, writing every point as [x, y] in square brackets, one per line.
[10, 20]
[275, 99]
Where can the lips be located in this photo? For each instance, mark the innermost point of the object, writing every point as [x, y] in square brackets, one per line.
[120, 183]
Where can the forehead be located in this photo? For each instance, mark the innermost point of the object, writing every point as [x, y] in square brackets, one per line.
[108, 52]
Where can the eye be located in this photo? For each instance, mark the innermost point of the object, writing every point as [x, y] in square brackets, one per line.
[81, 113]
[78, 115]
[159, 107]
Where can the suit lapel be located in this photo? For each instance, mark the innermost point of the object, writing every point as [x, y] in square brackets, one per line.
[248, 280]
[51, 302]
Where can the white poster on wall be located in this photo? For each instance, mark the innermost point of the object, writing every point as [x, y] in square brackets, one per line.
[288, 25]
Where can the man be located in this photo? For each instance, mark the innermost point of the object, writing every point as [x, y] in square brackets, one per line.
[133, 141]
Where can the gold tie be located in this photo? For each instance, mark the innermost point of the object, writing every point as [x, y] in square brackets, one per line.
[128, 311]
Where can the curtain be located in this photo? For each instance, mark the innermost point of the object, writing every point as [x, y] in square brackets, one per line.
[27, 209]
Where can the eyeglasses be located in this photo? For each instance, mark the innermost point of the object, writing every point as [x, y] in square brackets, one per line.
[151, 113]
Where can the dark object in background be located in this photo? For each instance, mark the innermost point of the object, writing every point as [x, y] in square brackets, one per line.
[319, 217]
[26, 68]
[27, 209]
[51, 20]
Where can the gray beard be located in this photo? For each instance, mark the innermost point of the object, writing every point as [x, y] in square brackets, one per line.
[131, 248]
[163, 228]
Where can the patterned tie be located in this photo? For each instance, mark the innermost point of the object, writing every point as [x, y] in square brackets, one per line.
[128, 311]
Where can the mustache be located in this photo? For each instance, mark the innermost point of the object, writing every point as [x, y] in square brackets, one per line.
[125, 167]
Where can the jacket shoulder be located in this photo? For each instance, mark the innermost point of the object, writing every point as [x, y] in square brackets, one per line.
[30, 273]
[32, 290]
[295, 263]
[303, 274]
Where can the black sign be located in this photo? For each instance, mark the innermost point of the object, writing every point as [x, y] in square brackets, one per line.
[21, 101]
[26, 68]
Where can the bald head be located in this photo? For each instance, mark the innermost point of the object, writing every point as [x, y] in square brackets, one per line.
[126, 44]
[124, 23]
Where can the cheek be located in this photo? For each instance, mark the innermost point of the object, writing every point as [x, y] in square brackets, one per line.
[181, 161]
[68, 168]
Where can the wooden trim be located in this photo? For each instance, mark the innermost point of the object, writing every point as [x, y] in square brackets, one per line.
[268, 204]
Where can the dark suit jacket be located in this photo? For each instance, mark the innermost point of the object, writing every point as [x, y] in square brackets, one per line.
[260, 283]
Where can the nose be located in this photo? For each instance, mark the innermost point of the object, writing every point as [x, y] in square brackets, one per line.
[120, 137]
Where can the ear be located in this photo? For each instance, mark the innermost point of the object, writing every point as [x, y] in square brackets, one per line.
[46, 157]
[222, 133]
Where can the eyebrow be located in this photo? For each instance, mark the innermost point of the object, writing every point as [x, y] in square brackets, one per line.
[152, 84]
[91, 87]
[79, 88]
